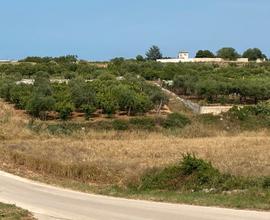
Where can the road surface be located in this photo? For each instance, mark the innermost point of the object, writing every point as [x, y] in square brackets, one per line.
[47, 202]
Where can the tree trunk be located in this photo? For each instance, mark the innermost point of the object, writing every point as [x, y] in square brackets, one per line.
[256, 100]
[129, 110]
[159, 107]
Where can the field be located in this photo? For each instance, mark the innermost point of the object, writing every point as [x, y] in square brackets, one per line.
[118, 158]
[242, 153]
[124, 144]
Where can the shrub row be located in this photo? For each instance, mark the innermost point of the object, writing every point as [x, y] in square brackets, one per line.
[134, 123]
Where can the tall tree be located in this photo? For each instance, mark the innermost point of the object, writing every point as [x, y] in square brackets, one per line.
[140, 58]
[153, 53]
[205, 54]
[228, 53]
[253, 54]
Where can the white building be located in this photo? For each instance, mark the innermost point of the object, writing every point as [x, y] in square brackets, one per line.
[183, 57]
[8, 61]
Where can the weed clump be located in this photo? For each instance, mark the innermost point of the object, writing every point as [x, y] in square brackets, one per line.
[176, 120]
[143, 123]
[266, 183]
[120, 125]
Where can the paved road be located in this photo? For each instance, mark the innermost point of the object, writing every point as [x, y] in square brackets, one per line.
[47, 202]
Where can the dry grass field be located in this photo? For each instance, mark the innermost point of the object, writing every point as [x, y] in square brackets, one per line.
[119, 157]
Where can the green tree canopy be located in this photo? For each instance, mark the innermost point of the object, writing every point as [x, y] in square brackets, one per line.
[228, 53]
[39, 105]
[153, 53]
[82, 93]
[205, 54]
[253, 54]
[64, 109]
[140, 58]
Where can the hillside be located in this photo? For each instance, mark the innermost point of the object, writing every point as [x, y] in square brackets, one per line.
[118, 134]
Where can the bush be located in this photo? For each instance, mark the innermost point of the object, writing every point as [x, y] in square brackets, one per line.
[192, 164]
[190, 174]
[240, 113]
[143, 123]
[102, 125]
[266, 182]
[88, 110]
[262, 109]
[120, 125]
[39, 105]
[65, 109]
[63, 129]
[176, 120]
[208, 118]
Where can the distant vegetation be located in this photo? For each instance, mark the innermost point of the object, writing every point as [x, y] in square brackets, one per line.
[61, 59]
[205, 54]
[231, 84]
[226, 53]
[212, 83]
[139, 156]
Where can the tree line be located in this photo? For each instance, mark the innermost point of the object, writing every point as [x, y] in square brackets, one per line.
[245, 83]
[212, 82]
[227, 53]
[107, 94]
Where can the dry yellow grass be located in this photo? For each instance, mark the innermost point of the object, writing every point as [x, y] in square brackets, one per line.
[118, 157]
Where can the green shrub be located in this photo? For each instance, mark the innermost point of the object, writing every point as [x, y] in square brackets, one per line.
[64, 109]
[39, 105]
[191, 164]
[65, 128]
[208, 118]
[176, 120]
[108, 104]
[240, 113]
[244, 113]
[162, 179]
[88, 110]
[266, 182]
[102, 125]
[223, 100]
[200, 172]
[190, 174]
[263, 108]
[143, 123]
[120, 125]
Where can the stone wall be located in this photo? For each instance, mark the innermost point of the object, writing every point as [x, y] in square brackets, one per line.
[215, 110]
[195, 107]
[202, 60]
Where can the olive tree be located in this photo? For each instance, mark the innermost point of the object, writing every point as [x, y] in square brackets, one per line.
[228, 53]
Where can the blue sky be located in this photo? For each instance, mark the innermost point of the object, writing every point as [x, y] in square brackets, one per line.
[103, 29]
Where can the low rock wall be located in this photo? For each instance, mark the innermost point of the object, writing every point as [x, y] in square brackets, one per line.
[196, 108]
